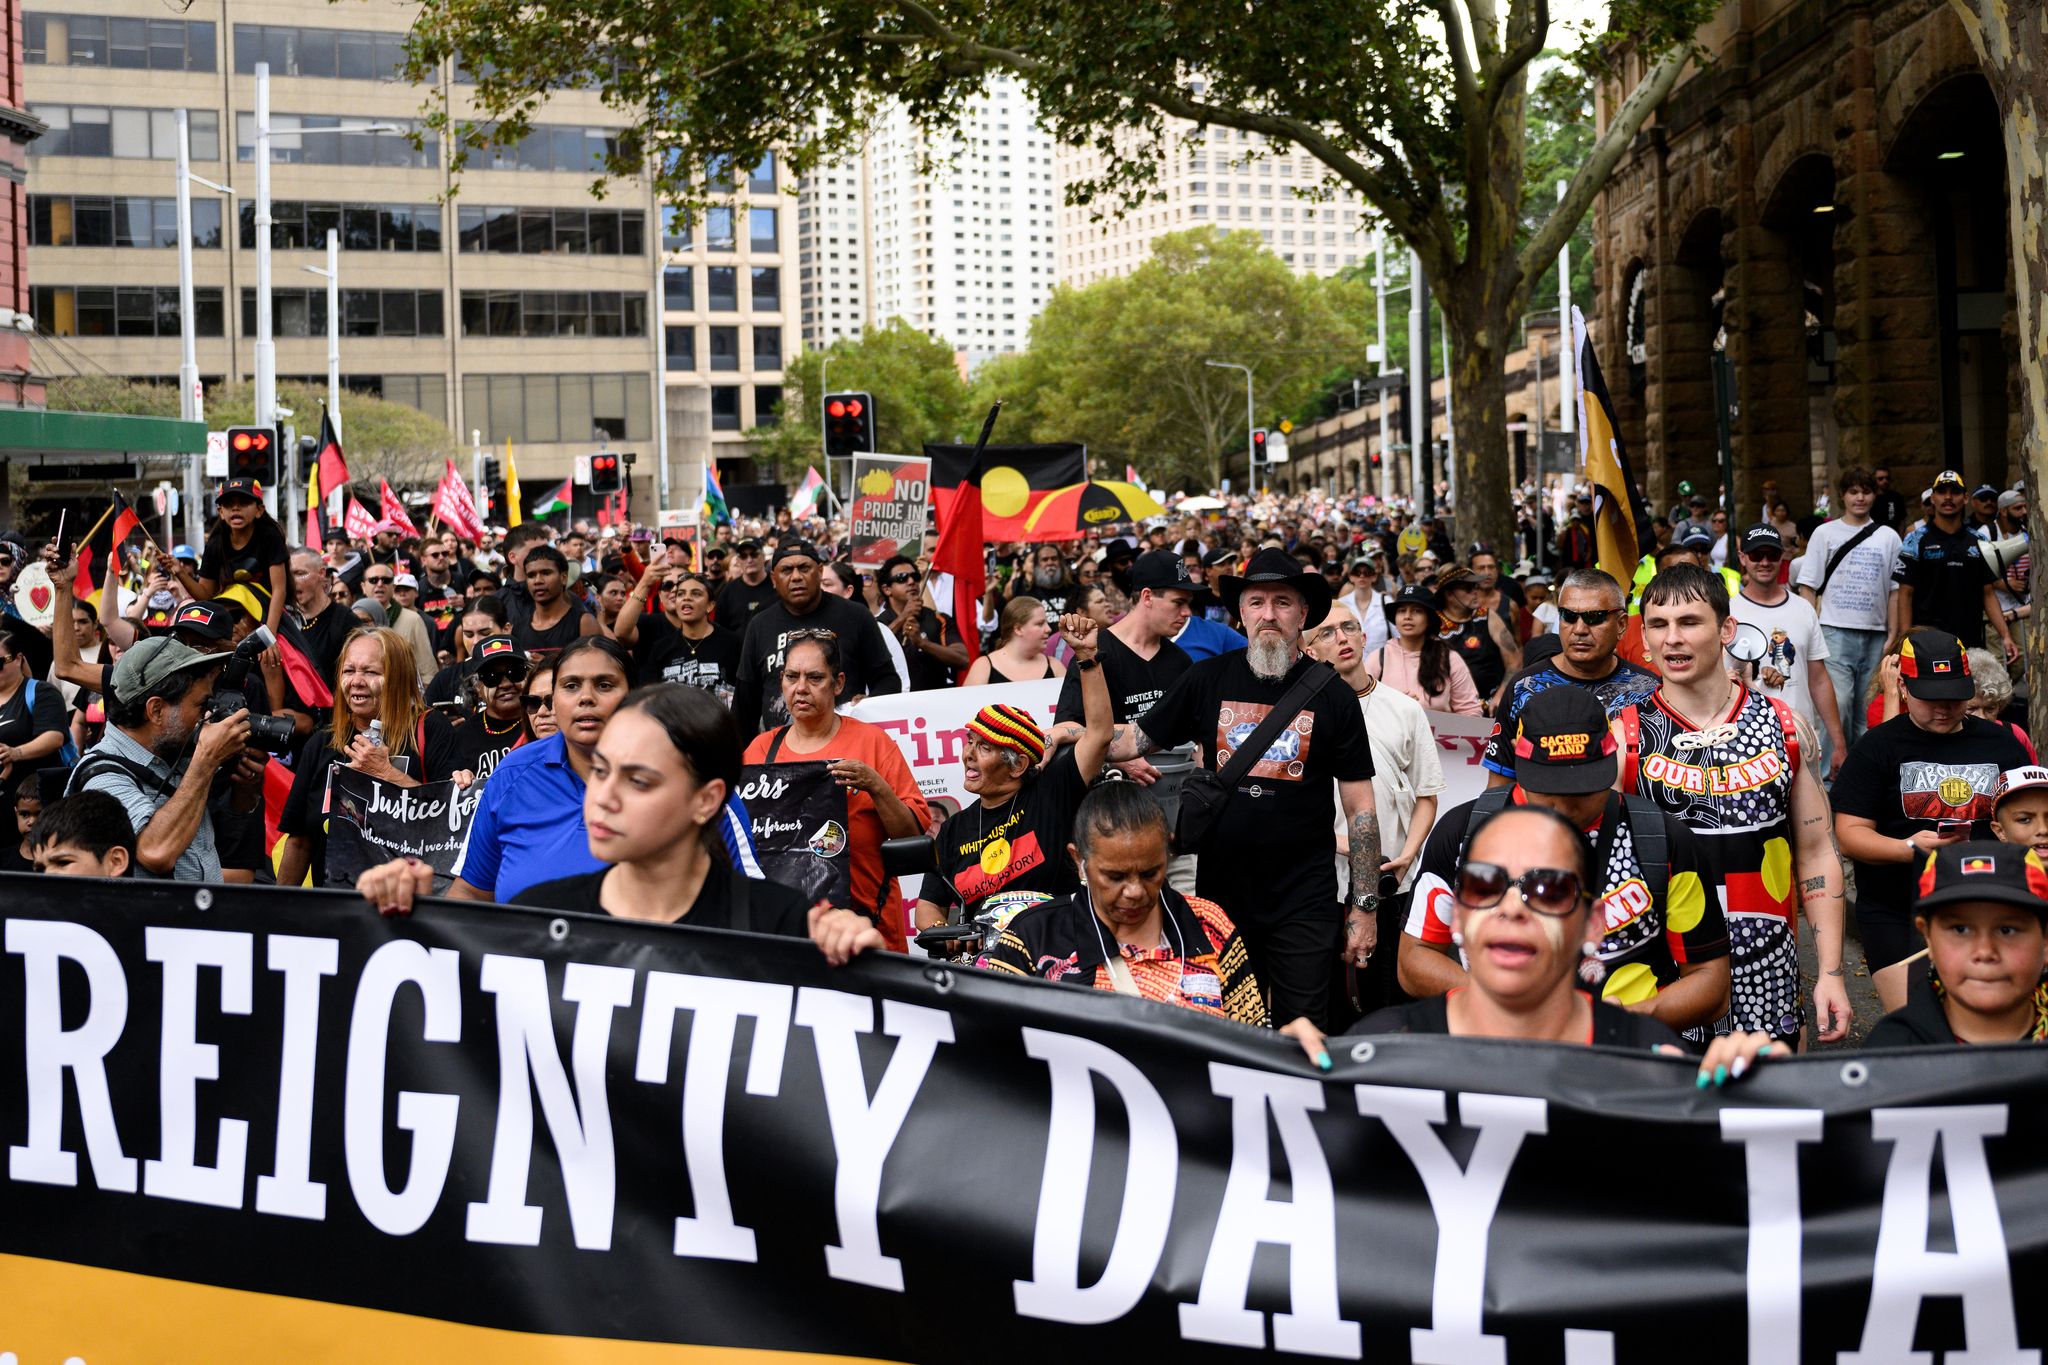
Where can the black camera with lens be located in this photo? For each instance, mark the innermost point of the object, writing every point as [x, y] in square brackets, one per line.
[272, 734]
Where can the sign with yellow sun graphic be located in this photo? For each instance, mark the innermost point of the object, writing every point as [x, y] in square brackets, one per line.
[891, 496]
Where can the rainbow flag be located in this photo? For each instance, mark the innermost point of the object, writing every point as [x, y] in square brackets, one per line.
[716, 513]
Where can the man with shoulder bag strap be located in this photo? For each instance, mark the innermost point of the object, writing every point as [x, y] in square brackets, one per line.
[1277, 730]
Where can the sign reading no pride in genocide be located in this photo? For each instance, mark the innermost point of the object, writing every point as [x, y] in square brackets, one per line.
[252, 1124]
[890, 495]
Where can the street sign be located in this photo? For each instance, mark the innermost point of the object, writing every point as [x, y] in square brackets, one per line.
[216, 454]
[1276, 447]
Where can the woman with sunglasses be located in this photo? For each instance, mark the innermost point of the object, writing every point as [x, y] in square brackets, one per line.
[678, 642]
[537, 699]
[1524, 918]
[1417, 661]
[479, 621]
[496, 723]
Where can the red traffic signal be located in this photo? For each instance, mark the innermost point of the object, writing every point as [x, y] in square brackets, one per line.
[849, 424]
[835, 408]
[1259, 441]
[604, 474]
[251, 452]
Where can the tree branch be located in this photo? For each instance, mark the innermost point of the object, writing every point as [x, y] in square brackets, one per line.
[1628, 120]
[1461, 62]
[1525, 50]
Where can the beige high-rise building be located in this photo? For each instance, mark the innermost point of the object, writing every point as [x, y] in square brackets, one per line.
[1228, 179]
[522, 309]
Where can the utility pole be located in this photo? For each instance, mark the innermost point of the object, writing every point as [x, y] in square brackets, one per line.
[1251, 450]
[1567, 391]
[1379, 289]
[1418, 385]
[191, 398]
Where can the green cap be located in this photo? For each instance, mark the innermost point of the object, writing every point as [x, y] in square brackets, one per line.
[151, 662]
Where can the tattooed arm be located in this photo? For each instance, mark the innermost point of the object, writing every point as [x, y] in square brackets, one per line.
[1818, 868]
[1361, 928]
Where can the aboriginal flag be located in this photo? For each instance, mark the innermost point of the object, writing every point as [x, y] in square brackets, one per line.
[1013, 480]
[1621, 518]
[99, 554]
[300, 670]
[333, 464]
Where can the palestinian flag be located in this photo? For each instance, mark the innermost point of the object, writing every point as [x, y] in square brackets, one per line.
[557, 501]
[99, 554]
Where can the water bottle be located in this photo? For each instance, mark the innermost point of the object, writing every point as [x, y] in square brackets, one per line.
[377, 732]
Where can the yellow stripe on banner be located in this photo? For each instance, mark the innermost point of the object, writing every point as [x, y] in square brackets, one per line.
[57, 1311]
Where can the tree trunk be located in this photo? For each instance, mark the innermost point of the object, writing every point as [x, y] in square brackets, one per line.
[1479, 421]
[2011, 38]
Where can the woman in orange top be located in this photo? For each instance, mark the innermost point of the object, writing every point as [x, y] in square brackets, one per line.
[882, 799]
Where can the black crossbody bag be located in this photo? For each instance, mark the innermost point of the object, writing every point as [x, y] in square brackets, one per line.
[1204, 794]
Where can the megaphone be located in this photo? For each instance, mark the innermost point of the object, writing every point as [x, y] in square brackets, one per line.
[2001, 555]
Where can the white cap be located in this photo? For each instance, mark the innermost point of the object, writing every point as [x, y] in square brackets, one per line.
[2018, 780]
[405, 580]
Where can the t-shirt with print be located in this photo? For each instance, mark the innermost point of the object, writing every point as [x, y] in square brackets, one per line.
[1947, 574]
[1904, 779]
[1270, 855]
[1018, 846]
[226, 565]
[1134, 683]
[1624, 687]
[1792, 640]
[1644, 942]
[481, 744]
[1859, 596]
[663, 653]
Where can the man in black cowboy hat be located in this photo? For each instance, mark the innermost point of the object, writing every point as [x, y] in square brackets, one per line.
[1269, 859]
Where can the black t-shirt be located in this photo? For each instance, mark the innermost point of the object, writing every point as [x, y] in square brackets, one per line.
[538, 642]
[19, 724]
[441, 608]
[225, 565]
[1272, 853]
[1020, 845]
[739, 601]
[863, 654]
[305, 808]
[662, 653]
[772, 908]
[1889, 509]
[1612, 1025]
[926, 673]
[451, 683]
[1135, 684]
[1947, 574]
[1904, 779]
[479, 745]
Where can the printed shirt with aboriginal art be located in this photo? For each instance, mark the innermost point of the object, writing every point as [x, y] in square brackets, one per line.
[1020, 845]
[1624, 687]
[1271, 853]
[1062, 940]
[1645, 942]
[1731, 784]
[1904, 779]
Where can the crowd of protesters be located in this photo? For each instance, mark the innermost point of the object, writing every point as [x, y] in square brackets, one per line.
[1234, 804]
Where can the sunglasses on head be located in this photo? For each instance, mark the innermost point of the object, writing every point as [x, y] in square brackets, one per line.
[1550, 891]
[1591, 618]
[812, 633]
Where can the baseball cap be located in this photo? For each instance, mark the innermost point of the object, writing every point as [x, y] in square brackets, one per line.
[1160, 570]
[2015, 780]
[495, 649]
[1562, 744]
[405, 580]
[1984, 870]
[185, 552]
[796, 549]
[1984, 490]
[207, 620]
[1935, 667]
[240, 488]
[152, 661]
[2011, 497]
[749, 546]
[1762, 537]
[1697, 539]
[1948, 478]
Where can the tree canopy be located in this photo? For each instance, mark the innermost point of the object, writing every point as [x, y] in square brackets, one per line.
[913, 378]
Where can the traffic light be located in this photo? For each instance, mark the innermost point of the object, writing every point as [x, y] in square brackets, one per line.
[1375, 459]
[1259, 445]
[604, 474]
[494, 469]
[252, 454]
[849, 425]
[309, 455]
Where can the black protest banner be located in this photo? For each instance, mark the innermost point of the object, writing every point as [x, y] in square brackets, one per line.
[798, 815]
[256, 1124]
[371, 822]
[891, 495]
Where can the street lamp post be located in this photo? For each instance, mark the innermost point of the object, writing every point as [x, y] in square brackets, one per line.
[191, 400]
[1379, 289]
[332, 274]
[1251, 452]
[1567, 391]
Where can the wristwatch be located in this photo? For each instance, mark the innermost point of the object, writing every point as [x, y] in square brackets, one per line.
[1084, 665]
[1367, 904]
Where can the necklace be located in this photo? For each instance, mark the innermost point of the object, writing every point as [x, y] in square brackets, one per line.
[1370, 684]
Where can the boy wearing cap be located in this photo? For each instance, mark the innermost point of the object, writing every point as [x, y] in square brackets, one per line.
[1794, 667]
[2019, 814]
[1923, 779]
[1943, 580]
[1981, 909]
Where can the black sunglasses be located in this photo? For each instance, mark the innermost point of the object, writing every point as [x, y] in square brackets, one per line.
[1552, 891]
[902, 578]
[498, 676]
[534, 705]
[1591, 618]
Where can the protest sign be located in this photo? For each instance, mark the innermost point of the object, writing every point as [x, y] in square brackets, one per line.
[799, 826]
[890, 496]
[287, 1128]
[371, 822]
[680, 524]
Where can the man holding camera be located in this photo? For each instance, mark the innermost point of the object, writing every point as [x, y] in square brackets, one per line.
[161, 689]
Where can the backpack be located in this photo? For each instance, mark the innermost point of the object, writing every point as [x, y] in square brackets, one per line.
[1645, 830]
[67, 753]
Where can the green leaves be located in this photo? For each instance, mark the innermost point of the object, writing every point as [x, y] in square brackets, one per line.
[919, 396]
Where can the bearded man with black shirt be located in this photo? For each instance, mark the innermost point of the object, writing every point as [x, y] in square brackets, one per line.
[1270, 857]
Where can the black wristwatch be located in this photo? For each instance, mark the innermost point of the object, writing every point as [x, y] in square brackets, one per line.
[1084, 665]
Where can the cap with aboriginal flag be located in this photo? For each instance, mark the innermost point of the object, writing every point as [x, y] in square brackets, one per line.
[203, 619]
[497, 647]
[1009, 727]
[1562, 744]
[1984, 870]
[1934, 667]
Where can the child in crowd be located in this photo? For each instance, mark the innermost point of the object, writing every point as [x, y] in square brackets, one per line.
[28, 805]
[1982, 909]
[86, 835]
[2019, 813]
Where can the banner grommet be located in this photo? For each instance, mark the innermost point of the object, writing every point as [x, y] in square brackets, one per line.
[202, 899]
[558, 929]
[1855, 1073]
[940, 977]
[1363, 1052]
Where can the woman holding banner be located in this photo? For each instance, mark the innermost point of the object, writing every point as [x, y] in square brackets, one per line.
[375, 683]
[882, 799]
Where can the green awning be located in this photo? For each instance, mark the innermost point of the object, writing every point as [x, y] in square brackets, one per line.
[30, 431]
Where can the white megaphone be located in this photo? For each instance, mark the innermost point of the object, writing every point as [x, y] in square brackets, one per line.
[2001, 555]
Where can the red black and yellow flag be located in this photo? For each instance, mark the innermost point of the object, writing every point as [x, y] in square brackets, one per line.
[99, 554]
[1621, 516]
